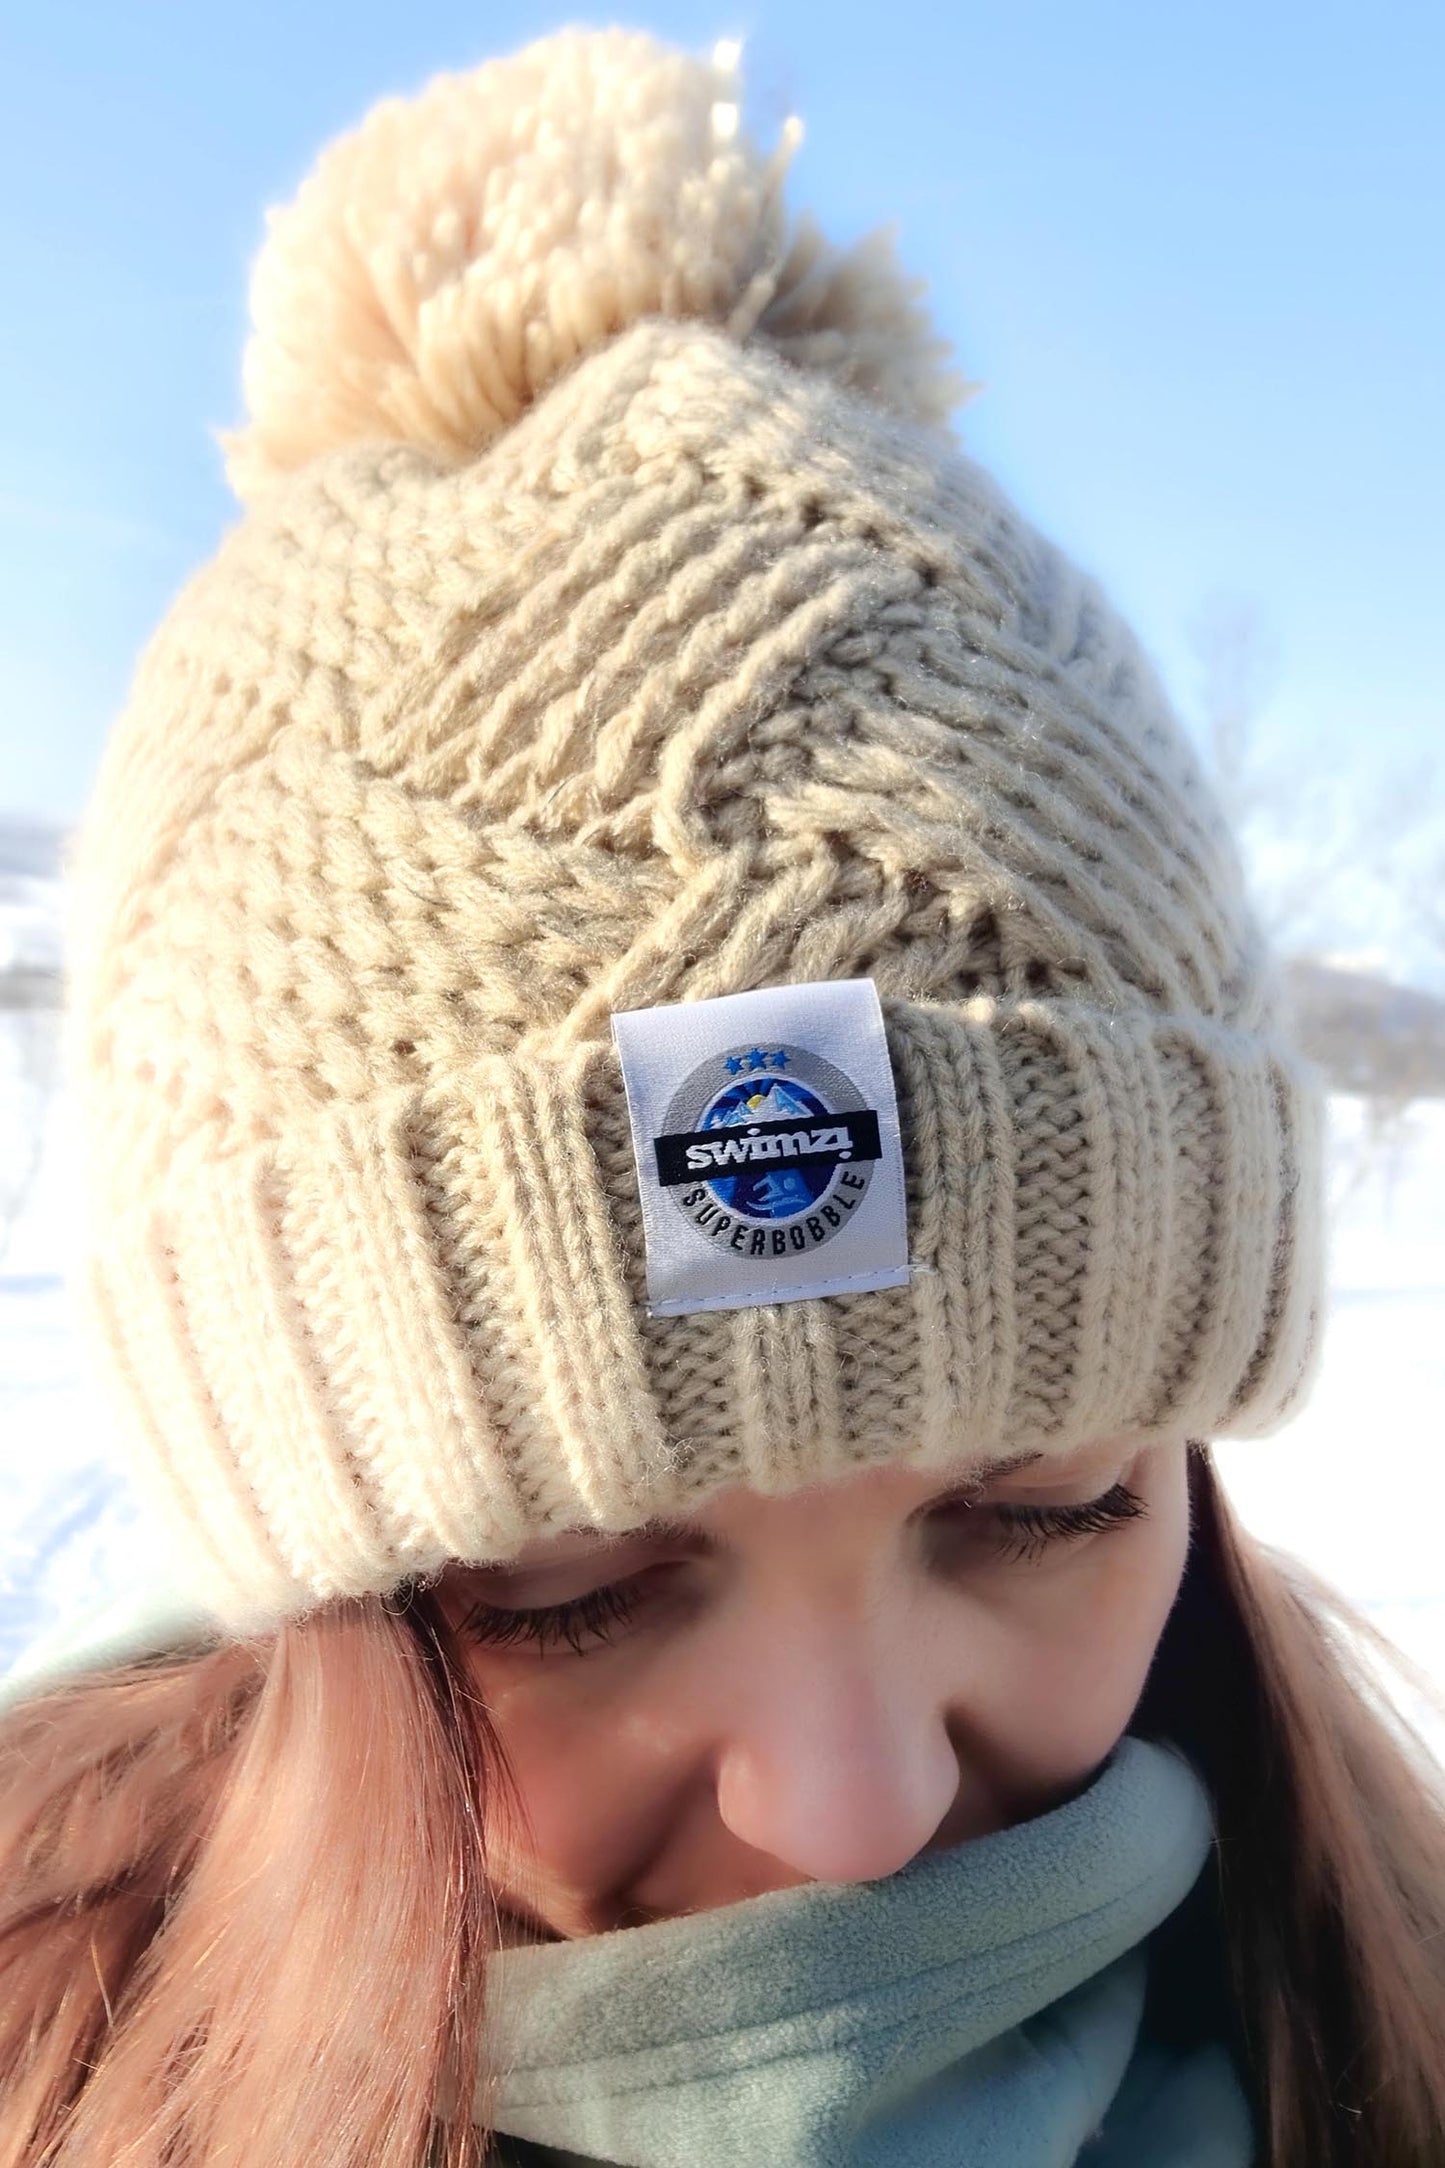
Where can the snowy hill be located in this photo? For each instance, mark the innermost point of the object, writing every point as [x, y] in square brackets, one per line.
[1369, 1035]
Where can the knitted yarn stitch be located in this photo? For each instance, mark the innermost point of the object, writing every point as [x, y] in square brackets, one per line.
[650, 666]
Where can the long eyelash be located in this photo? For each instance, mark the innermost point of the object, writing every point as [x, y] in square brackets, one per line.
[586, 1622]
[1034, 1528]
[590, 1621]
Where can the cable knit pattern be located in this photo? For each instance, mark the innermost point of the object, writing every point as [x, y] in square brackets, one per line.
[707, 673]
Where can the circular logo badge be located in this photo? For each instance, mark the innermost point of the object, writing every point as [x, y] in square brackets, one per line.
[768, 1149]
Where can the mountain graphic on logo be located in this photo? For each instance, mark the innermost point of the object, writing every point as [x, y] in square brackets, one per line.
[776, 1101]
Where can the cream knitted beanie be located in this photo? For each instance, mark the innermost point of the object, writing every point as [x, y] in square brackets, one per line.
[616, 624]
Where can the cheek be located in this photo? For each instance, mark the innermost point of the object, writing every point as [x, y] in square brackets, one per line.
[595, 1761]
[1076, 1664]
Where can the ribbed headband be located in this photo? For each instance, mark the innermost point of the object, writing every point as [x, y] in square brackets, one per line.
[617, 624]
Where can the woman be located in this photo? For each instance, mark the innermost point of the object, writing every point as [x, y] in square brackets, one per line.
[688, 1137]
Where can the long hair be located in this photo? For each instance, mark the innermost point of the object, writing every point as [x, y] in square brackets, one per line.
[245, 1911]
[1329, 1875]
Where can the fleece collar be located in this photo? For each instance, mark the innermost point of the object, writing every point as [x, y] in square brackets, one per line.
[983, 2005]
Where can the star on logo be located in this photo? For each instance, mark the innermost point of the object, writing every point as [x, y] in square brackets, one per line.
[756, 1058]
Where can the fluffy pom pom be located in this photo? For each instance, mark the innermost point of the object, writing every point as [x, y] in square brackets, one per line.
[444, 263]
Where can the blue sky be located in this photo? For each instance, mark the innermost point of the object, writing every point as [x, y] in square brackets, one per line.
[1194, 253]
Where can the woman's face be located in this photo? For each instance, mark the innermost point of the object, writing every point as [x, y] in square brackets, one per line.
[817, 1687]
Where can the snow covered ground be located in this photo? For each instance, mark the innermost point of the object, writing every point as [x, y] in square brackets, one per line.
[1356, 1485]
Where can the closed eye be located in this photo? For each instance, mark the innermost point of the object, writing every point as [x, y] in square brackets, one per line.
[1026, 1531]
[960, 1531]
[582, 1622]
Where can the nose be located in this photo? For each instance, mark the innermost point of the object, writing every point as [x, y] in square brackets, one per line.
[837, 1763]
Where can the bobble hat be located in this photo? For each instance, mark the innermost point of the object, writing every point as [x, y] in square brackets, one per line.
[615, 623]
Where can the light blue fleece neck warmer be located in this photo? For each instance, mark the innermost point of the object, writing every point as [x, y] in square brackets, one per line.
[980, 2009]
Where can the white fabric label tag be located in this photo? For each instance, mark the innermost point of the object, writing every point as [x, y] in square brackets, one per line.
[765, 1127]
